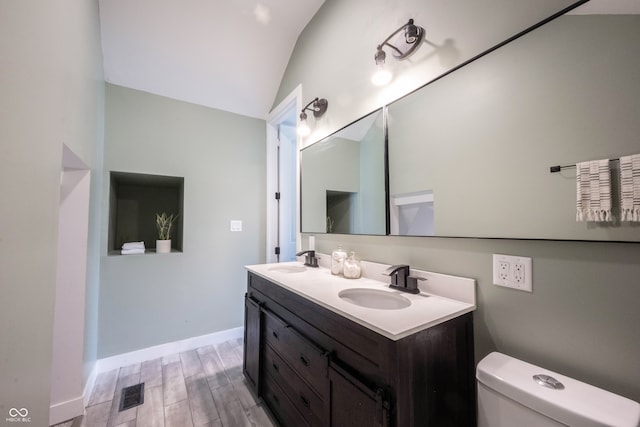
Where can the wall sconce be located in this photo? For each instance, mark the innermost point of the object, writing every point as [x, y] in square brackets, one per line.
[319, 107]
[401, 47]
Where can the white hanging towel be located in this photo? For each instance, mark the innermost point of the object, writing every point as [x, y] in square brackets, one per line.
[630, 187]
[593, 191]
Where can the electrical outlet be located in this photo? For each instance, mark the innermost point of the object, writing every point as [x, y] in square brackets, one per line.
[503, 270]
[512, 272]
[519, 273]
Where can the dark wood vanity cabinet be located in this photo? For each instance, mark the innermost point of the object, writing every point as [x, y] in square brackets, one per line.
[313, 367]
[252, 342]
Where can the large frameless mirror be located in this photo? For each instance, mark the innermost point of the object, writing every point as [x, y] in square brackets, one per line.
[343, 180]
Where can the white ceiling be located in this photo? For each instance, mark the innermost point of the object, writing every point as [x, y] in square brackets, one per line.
[225, 54]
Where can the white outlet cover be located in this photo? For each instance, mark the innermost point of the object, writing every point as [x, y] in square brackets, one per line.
[236, 225]
[518, 275]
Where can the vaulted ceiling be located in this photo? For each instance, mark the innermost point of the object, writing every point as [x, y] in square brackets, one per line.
[225, 54]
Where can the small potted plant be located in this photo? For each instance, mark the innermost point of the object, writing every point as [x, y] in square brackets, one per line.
[164, 224]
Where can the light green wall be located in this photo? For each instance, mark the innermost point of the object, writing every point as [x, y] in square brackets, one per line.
[152, 299]
[333, 57]
[581, 317]
[51, 93]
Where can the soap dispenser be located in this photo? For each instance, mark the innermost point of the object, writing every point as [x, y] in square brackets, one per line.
[337, 260]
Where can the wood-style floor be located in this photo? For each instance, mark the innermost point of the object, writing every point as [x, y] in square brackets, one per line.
[203, 387]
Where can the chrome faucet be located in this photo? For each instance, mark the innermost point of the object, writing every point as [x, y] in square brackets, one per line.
[310, 259]
[401, 280]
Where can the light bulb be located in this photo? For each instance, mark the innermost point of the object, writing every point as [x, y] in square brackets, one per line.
[303, 129]
[381, 77]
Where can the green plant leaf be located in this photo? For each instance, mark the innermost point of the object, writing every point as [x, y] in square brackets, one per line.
[164, 224]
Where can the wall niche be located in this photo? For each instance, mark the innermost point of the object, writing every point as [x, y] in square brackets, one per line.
[134, 200]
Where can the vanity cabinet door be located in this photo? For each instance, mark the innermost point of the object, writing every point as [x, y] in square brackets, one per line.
[353, 403]
[252, 342]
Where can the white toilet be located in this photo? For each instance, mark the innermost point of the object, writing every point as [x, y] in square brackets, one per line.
[509, 395]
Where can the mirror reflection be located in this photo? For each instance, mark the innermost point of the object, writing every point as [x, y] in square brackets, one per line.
[469, 154]
[342, 180]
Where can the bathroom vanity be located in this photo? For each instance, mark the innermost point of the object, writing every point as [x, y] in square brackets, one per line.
[317, 359]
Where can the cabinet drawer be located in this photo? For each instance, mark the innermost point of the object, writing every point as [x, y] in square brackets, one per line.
[306, 359]
[280, 404]
[308, 403]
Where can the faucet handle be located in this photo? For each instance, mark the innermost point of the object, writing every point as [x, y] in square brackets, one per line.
[412, 284]
[394, 269]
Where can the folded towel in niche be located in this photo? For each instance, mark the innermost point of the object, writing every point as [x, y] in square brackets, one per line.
[593, 191]
[630, 188]
[132, 251]
[133, 245]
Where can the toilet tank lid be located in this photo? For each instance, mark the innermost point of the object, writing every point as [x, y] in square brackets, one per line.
[578, 404]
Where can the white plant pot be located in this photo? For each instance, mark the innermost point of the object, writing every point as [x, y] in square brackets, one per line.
[163, 246]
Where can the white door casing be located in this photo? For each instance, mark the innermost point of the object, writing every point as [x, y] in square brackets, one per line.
[277, 117]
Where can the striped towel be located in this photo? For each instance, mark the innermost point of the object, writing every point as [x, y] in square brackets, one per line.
[593, 191]
[630, 187]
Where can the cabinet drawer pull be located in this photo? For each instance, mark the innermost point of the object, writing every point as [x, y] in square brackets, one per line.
[275, 399]
[304, 400]
[275, 334]
[275, 366]
[304, 361]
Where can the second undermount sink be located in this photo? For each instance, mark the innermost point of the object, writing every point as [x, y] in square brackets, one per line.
[373, 298]
[288, 268]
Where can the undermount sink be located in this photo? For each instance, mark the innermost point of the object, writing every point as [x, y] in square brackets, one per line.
[372, 298]
[288, 268]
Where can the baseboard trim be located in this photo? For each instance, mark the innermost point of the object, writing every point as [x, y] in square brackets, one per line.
[64, 411]
[137, 356]
[91, 382]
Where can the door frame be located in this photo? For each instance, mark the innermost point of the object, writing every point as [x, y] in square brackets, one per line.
[274, 118]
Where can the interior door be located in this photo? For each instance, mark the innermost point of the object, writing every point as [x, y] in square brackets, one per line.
[287, 222]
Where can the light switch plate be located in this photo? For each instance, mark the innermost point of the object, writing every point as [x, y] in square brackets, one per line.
[236, 225]
[513, 272]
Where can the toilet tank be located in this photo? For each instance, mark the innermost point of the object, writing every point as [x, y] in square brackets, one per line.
[508, 395]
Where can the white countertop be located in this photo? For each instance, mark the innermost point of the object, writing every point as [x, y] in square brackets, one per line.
[442, 297]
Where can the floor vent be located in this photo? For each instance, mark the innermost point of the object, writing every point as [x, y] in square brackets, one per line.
[132, 397]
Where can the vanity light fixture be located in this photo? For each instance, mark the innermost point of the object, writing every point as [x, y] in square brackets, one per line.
[318, 106]
[401, 47]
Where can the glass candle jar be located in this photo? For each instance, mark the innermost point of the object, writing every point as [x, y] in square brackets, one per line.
[351, 268]
[337, 260]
